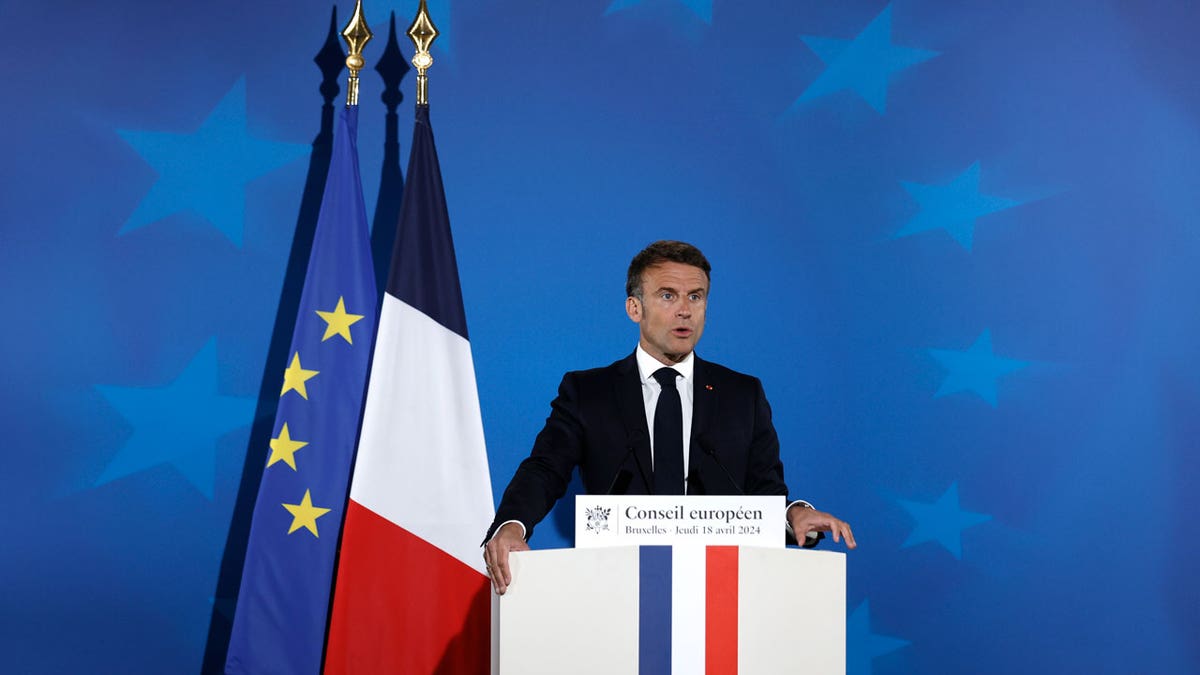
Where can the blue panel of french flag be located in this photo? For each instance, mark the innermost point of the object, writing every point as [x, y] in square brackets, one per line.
[681, 610]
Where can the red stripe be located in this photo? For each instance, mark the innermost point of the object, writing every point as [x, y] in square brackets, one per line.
[402, 605]
[721, 611]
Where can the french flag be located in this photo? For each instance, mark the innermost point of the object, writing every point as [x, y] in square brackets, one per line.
[411, 594]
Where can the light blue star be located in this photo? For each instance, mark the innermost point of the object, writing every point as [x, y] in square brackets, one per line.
[862, 65]
[177, 424]
[953, 207]
[975, 369]
[702, 8]
[206, 171]
[862, 645]
[942, 521]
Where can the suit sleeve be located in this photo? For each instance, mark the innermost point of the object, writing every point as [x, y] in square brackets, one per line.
[764, 469]
[542, 478]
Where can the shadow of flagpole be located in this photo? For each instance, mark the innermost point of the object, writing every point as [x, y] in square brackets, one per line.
[392, 67]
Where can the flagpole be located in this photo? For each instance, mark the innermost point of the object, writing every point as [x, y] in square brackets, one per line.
[422, 32]
[356, 34]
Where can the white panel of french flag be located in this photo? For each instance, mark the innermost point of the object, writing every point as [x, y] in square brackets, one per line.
[682, 610]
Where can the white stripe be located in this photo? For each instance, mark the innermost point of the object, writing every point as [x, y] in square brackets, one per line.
[422, 463]
[689, 567]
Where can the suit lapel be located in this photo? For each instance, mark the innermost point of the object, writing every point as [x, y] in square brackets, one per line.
[628, 393]
[704, 405]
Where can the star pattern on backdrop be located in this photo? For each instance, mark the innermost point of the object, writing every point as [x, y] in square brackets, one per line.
[295, 378]
[863, 65]
[338, 321]
[953, 207]
[862, 645]
[305, 514]
[284, 447]
[942, 521]
[206, 171]
[177, 424]
[975, 369]
[701, 8]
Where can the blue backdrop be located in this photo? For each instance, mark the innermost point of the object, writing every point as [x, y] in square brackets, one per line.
[957, 240]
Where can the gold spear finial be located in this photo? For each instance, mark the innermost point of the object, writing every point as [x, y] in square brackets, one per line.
[422, 32]
[356, 34]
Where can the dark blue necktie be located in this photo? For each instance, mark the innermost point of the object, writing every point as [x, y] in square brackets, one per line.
[668, 436]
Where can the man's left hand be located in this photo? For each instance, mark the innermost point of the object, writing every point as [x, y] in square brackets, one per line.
[805, 520]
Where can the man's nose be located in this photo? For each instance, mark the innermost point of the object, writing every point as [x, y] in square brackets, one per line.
[683, 311]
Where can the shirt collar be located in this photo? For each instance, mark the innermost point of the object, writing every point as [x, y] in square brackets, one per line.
[647, 365]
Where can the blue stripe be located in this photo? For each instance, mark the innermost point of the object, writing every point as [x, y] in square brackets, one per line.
[424, 270]
[654, 611]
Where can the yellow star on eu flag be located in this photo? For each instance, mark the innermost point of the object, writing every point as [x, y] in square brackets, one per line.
[305, 514]
[295, 377]
[284, 448]
[338, 322]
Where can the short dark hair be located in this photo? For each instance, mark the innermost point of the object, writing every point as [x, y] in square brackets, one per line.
[660, 252]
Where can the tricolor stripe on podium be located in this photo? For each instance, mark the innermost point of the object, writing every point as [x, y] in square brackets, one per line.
[688, 610]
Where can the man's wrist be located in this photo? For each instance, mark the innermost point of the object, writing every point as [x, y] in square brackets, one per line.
[811, 537]
[788, 512]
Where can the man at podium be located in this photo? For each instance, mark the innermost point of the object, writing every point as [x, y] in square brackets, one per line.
[659, 421]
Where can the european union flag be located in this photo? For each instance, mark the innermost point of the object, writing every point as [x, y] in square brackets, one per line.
[279, 626]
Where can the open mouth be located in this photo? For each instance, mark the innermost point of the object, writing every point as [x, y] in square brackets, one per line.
[681, 332]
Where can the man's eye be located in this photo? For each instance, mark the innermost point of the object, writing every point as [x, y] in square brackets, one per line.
[695, 297]
[667, 296]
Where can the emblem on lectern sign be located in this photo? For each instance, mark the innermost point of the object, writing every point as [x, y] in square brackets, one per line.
[597, 519]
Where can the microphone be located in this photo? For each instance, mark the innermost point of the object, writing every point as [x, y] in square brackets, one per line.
[707, 448]
[621, 480]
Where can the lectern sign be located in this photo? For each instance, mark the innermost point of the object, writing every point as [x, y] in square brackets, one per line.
[633, 520]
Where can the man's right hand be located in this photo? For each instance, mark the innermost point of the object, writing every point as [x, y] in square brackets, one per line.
[510, 537]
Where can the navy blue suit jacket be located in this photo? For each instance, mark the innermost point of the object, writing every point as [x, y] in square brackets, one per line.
[598, 424]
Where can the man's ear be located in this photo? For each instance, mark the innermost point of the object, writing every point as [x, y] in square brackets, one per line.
[633, 307]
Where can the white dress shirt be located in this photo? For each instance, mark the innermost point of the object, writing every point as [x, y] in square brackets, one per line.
[684, 382]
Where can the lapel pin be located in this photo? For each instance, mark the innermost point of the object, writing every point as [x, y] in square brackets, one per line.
[708, 387]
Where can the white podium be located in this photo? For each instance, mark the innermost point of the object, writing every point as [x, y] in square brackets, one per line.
[674, 610]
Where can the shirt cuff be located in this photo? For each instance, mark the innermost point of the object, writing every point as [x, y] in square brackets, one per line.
[524, 532]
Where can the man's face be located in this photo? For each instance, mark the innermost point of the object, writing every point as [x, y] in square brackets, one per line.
[670, 314]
